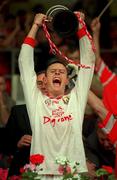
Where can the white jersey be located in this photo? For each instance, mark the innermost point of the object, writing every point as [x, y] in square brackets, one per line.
[57, 123]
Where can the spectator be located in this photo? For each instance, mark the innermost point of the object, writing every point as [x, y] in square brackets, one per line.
[6, 102]
[10, 32]
[106, 76]
[18, 138]
[99, 149]
[18, 133]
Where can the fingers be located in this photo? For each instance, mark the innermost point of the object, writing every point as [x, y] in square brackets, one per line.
[24, 141]
[39, 19]
[91, 168]
[25, 144]
[95, 25]
[80, 14]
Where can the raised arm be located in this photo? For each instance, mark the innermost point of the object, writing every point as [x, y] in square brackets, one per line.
[95, 27]
[26, 56]
[36, 24]
[108, 121]
[26, 66]
[97, 105]
[8, 40]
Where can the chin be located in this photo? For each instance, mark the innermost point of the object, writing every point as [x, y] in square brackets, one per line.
[58, 92]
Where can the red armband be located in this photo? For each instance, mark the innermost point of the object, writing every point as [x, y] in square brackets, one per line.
[30, 41]
[105, 121]
[109, 126]
[112, 135]
[81, 32]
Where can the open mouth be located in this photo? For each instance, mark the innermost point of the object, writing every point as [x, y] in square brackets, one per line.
[57, 81]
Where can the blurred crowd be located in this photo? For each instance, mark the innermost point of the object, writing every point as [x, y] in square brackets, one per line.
[14, 27]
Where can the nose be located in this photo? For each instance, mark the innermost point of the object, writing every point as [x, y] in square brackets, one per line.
[57, 72]
[43, 86]
[106, 143]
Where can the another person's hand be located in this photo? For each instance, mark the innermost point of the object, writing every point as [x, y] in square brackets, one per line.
[24, 141]
[91, 169]
[95, 25]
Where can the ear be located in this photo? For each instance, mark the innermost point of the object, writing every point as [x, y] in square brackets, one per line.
[67, 81]
[45, 79]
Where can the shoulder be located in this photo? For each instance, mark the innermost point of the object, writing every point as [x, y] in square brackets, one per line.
[21, 107]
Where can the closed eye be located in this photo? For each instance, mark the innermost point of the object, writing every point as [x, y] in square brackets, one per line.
[39, 83]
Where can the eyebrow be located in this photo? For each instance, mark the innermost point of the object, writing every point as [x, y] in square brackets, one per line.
[58, 69]
[39, 81]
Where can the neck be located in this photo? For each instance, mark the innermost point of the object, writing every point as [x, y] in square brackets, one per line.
[55, 95]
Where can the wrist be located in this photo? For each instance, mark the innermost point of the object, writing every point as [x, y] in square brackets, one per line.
[3, 106]
[36, 24]
[96, 33]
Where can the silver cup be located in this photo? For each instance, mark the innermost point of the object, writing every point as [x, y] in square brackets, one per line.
[61, 20]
